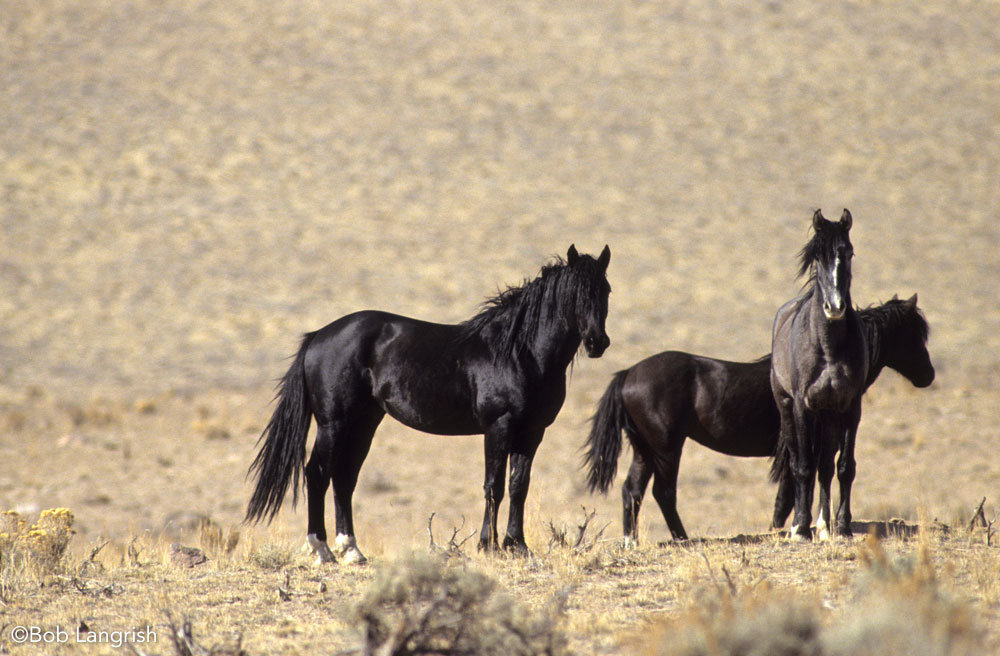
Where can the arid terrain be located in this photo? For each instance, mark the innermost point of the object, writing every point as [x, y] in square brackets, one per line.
[187, 187]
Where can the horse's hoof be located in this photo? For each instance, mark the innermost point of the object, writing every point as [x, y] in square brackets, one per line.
[629, 543]
[822, 531]
[321, 549]
[516, 547]
[347, 549]
[795, 535]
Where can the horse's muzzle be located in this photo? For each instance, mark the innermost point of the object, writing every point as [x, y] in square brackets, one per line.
[834, 313]
[596, 345]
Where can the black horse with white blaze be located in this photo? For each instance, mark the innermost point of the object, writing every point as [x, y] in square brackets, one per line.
[502, 373]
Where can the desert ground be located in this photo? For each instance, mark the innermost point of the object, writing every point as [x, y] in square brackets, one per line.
[188, 187]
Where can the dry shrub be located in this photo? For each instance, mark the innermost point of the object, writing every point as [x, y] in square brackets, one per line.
[897, 608]
[424, 606]
[30, 553]
[751, 625]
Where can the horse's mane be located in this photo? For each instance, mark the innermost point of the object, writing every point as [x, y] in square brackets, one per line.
[509, 320]
[893, 312]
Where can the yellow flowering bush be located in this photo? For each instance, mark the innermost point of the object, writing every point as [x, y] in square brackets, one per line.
[42, 544]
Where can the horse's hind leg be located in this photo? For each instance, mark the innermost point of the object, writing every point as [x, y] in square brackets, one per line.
[667, 465]
[342, 442]
[317, 482]
[633, 490]
[351, 447]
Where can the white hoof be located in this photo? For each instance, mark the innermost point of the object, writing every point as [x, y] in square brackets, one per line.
[629, 543]
[822, 531]
[321, 549]
[347, 547]
[795, 536]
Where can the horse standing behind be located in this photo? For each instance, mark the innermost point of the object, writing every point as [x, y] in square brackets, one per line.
[663, 400]
[819, 365]
[501, 373]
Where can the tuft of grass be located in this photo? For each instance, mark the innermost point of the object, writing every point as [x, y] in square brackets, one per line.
[272, 557]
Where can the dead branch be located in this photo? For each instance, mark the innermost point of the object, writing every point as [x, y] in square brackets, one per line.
[582, 528]
[453, 548]
[978, 517]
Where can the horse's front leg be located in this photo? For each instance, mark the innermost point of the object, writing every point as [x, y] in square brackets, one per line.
[828, 437]
[846, 470]
[521, 457]
[804, 463]
[496, 445]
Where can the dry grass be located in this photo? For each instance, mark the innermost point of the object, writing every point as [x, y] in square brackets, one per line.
[187, 188]
[718, 596]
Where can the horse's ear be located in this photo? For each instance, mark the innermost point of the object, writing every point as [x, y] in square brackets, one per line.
[846, 220]
[912, 301]
[571, 255]
[604, 258]
[818, 220]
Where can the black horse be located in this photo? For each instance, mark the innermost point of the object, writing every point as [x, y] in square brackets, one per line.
[819, 365]
[501, 373]
[728, 407]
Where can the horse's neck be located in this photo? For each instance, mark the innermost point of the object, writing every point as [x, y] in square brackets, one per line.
[554, 346]
[874, 337]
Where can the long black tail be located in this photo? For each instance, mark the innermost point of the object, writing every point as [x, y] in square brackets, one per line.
[604, 444]
[283, 454]
[781, 463]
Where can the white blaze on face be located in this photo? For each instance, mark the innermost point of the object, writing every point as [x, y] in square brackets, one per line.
[834, 306]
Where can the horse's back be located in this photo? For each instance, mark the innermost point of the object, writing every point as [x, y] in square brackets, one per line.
[368, 355]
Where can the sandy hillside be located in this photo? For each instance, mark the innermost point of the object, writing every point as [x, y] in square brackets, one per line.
[187, 187]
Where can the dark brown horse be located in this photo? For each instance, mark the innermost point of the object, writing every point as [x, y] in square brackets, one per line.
[728, 407]
[502, 374]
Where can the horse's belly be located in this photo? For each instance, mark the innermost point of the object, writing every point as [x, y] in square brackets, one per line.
[439, 421]
[432, 412]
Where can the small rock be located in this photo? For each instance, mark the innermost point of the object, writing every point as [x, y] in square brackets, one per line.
[186, 557]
